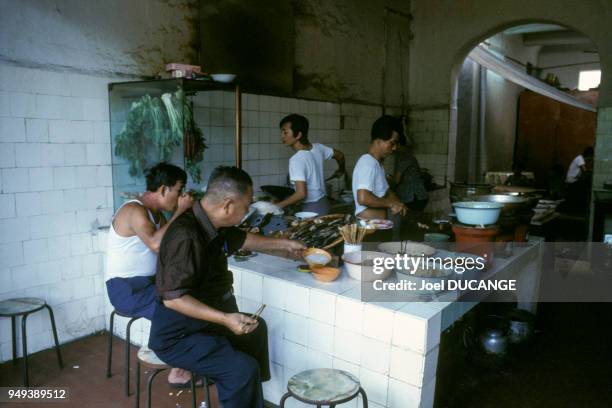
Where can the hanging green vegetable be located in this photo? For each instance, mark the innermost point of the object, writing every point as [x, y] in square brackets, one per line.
[164, 123]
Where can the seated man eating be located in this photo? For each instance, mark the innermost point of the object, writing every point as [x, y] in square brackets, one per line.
[133, 241]
[197, 326]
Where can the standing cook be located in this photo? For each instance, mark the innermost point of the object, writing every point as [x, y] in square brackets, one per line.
[371, 191]
[306, 166]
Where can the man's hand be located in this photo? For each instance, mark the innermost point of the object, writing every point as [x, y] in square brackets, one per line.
[295, 247]
[185, 202]
[398, 208]
[240, 324]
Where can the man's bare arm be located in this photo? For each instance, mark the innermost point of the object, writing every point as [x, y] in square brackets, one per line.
[299, 195]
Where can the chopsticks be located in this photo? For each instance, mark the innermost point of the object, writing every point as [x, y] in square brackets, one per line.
[352, 233]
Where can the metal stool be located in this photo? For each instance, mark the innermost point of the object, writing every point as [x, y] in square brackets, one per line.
[149, 359]
[324, 386]
[24, 307]
[128, 345]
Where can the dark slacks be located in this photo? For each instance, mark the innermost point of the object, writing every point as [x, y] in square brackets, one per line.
[237, 364]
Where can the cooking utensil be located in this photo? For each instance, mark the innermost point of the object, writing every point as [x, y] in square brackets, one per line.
[477, 213]
[304, 215]
[407, 247]
[494, 341]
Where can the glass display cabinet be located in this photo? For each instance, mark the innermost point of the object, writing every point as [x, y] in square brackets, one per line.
[194, 124]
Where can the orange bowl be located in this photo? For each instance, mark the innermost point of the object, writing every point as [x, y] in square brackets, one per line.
[325, 273]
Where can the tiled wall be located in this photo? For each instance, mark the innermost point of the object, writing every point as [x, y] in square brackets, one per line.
[55, 189]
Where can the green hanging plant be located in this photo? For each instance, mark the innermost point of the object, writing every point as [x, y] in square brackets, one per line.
[164, 123]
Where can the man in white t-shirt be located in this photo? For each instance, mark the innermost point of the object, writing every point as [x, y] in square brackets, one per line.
[371, 191]
[306, 165]
[578, 166]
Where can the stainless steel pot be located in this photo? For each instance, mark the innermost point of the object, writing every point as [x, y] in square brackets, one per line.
[510, 203]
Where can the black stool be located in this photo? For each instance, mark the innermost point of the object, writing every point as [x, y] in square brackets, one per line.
[324, 386]
[149, 359]
[24, 307]
[128, 345]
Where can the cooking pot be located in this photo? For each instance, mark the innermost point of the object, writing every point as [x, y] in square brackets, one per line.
[510, 203]
[465, 191]
[520, 325]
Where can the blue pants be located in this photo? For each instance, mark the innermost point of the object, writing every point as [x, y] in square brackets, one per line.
[237, 364]
[134, 297]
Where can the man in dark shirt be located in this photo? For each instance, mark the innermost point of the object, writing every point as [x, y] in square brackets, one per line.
[197, 326]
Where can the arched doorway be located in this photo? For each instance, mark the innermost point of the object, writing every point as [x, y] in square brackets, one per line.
[515, 101]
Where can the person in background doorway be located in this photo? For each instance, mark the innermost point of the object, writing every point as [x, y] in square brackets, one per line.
[373, 197]
[136, 231]
[306, 166]
[578, 181]
[578, 167]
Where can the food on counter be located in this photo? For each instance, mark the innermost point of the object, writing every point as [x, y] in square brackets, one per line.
[320, 232]
[243, 252]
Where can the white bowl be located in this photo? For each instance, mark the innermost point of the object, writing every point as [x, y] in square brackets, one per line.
[355, 269]
[304, 215]
[227, 78]
[477, 212]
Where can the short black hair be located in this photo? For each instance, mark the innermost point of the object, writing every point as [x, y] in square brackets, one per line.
[164, 174]
[298, 124]
[588, 152]
[227, 180]
[384, 127]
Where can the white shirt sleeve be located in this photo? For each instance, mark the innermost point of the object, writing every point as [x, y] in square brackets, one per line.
[297, 169]
[363, 178]
[580, 161]
[328, 152]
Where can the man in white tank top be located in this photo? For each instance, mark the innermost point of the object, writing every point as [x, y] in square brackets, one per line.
[306, 166]
[133, 243]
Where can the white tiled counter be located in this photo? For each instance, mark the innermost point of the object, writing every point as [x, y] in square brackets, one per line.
[392, 347]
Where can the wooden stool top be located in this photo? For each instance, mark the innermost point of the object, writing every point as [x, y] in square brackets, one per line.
[148, 358]
[19, 306]
[323, 386]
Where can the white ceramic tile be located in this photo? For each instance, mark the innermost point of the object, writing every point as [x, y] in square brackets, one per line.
[428, 394]
[407, 366]
[320, 336]
[296, 328]
[376, 385]
[276, 387]
[349, 314]
[409, 332]
[375, 355]
[347, 345]
[403, 395]
[276, 347]
[249, 306]
[378, 323]
[322, 306]
[274, 292]
[295, 356]
[297, 300]
[318, 359]
[252, 286]
[340, 364]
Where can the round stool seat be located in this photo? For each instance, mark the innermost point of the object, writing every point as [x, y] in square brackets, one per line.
[19, 306]
[323, 386]
[148, 358]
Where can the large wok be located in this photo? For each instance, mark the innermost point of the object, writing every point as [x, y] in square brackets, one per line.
[278, 192]
[512, 204]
